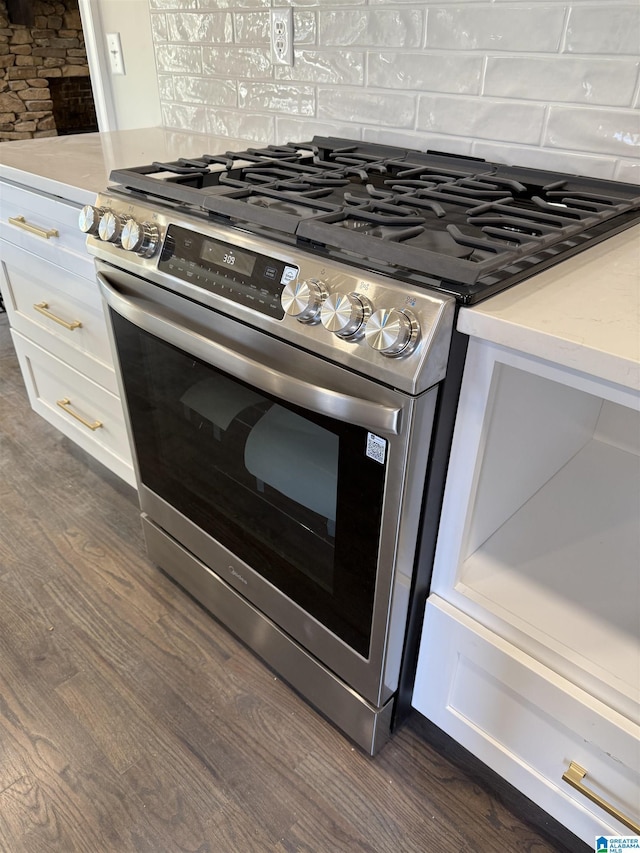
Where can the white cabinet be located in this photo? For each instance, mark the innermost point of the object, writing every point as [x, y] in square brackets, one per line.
[58, 325]
[531, 650]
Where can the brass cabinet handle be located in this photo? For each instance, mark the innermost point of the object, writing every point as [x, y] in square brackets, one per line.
[65, 404]
[574, 776]
[21, 222]
[43, 307]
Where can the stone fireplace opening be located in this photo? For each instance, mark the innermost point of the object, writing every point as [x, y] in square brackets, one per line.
[73, 107]
[45, 89]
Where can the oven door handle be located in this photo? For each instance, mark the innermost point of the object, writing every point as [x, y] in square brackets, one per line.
[376, 417]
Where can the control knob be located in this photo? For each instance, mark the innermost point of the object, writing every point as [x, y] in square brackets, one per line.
[344, 314]
[110, 227]
[303, 299]
[142, 238]
[89, 218]
[392, 332]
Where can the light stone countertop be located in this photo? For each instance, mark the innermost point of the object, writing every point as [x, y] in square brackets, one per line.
[77, 167]
[584, 313]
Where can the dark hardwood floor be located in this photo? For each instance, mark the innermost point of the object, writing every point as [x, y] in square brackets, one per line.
[130, 720]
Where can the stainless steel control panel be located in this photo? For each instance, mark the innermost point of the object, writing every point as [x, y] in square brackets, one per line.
[396, 332]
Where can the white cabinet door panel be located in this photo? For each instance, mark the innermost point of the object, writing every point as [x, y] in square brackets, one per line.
[526, 722]
[50, 382]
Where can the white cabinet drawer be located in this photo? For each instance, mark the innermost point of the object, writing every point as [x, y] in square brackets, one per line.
[59, 310]
[49, 382]
[526, 722]
[45, 225]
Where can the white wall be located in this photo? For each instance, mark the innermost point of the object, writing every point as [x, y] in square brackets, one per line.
[539, 82]
[131, 100]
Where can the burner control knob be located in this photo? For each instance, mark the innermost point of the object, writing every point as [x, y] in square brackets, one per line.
[141, 238]
[303, 299]
[89, 218]
[110, 227]
[344, 314]
[392, 332]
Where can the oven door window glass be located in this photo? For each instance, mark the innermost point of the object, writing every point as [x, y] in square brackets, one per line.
[295, 495]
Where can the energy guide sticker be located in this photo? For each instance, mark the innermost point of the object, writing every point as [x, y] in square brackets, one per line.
[376, 448]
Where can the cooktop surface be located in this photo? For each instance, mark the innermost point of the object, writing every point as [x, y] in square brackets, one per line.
[462, 225]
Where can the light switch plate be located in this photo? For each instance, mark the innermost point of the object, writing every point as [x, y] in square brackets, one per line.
[114, 48]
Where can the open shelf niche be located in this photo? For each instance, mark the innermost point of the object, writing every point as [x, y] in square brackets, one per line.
[552, 541]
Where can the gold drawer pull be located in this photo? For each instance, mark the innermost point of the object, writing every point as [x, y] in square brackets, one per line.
[574, 776]
[65, 404]
[21, 222]
[43, 307]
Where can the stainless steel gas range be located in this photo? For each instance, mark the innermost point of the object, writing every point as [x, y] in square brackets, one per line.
[283, 320]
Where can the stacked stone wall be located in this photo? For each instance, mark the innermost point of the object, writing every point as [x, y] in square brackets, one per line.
[29, 58]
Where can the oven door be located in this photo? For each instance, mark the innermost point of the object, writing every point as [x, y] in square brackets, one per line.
[297, 482]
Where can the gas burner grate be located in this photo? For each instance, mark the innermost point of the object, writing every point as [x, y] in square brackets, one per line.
[271, 208]
[460, 221]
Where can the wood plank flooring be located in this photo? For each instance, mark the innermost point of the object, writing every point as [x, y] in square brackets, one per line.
[130, 720]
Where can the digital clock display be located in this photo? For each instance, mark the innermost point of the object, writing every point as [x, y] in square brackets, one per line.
[228, 257]
[219, 268]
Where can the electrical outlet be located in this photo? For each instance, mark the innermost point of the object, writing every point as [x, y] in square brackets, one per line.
[282, 36]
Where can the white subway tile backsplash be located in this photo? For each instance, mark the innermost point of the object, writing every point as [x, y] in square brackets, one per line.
[628, 170]
[539, 158]
[413, 2]
[181, 58]
[159, 30]
[304, 27]
[173, 4]
[278, 98]
[581, 81]
[185, 117]
[492, 28]
[321, 3]
[614, 132]
[609, 28]
[314, 66]
[533, 81]
[233, 4]
[392, 28]
[165, 87]
[303, 130]
[418, 139]
[433, 72]
[205, 90]
[241, 125]
[366, 107]
[195, 27]
[252, 27]
[240, 62]
[481, 118]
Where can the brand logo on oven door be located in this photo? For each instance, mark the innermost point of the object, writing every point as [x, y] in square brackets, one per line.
[237, 575]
